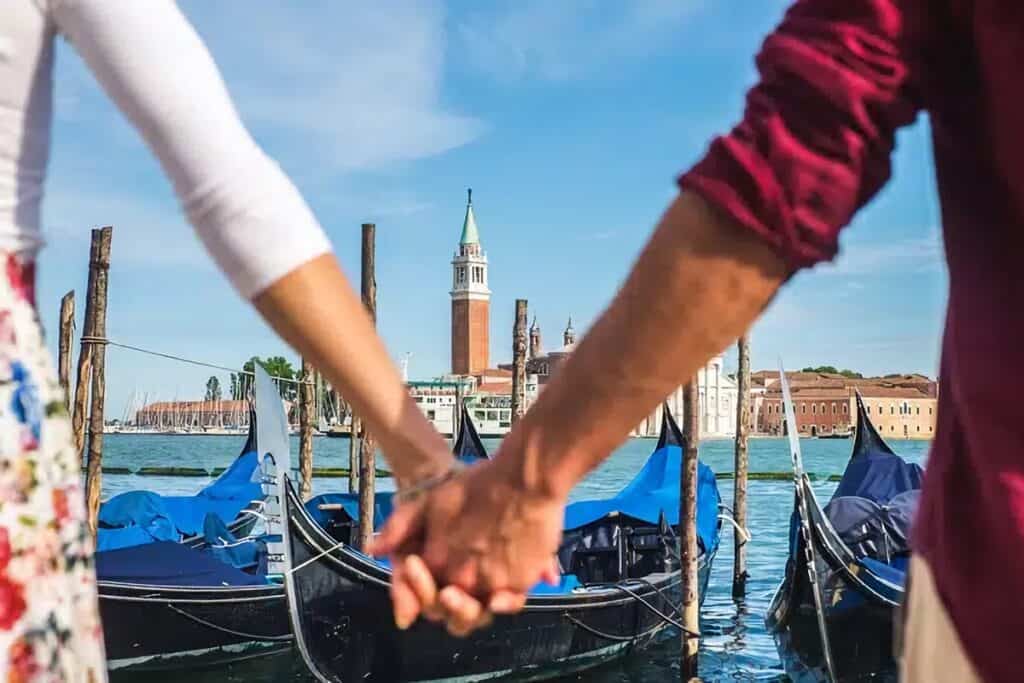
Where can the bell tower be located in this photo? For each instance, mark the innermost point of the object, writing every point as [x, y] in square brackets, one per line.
[569, 336]
[471, 300]
[535, 347]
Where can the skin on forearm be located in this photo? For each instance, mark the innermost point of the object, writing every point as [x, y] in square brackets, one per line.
[699, 284]
[315, 310]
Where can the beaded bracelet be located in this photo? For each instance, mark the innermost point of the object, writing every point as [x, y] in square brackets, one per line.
[414, 491]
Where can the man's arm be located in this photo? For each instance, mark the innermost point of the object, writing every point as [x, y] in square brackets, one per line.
[698, 285]
[492, 532]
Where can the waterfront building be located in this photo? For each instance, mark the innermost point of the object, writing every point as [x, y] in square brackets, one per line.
[901, 412]
[717, 399]
[899, 406]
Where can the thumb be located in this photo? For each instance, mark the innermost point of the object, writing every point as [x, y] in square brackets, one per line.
[552, 574]
[402, 527]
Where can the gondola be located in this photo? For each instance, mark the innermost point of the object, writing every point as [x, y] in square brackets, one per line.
[206, 600]
[832, 616]
[215, 598]
[139, 517]
[619, 590]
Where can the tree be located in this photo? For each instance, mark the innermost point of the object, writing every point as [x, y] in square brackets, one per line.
[276, 366]
[213, 389]
[831, 370]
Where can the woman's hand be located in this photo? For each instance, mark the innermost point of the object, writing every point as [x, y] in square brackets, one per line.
[484, 535]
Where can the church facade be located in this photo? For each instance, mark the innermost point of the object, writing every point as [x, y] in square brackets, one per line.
[717, 398]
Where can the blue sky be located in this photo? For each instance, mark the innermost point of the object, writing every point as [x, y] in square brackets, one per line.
[570, 121]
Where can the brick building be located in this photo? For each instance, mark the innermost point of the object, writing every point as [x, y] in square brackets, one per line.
[899, 406]
[819, 410]
[471, 301]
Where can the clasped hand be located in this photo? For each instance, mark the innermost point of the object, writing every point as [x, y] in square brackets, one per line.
[471, 547]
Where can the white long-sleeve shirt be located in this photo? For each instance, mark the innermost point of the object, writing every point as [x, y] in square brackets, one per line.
[152, 63]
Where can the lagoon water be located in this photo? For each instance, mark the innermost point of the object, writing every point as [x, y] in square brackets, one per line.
[735, 646]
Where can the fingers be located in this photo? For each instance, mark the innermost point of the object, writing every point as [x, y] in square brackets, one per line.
[552, 574]
[421, 582]
[506, 602]
[404, 524]
[465, 613]
[404, 603]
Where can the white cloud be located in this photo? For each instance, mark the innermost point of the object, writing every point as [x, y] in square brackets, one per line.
[357, 84]
[562, 40]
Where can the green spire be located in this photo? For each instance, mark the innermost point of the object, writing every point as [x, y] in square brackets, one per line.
[470, 235]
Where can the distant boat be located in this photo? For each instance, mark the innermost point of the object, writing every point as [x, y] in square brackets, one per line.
[837, 435]
[619, 589]
[832, 616]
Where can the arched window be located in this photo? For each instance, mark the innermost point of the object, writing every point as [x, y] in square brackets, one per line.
[919, 410]
[814, 409]
[892, 409]
[822, 408]
[803, 408]
[833, 408]
[845, 407]
[868, 408]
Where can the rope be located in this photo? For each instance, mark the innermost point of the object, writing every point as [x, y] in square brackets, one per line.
[224, 629]
[610, 636]
[665, 619]
[315, 558]
[102, 341]
[744, 533]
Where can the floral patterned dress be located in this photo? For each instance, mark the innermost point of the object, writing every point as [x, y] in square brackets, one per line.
[49, 617]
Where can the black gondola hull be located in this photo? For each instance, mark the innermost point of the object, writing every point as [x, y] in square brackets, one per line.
[861, 640]
[340, 604]
[147, 627]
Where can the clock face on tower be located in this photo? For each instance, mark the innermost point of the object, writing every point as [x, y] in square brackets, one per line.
[471, 300]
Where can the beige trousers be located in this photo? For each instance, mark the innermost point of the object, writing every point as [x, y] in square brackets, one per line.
[932, 652]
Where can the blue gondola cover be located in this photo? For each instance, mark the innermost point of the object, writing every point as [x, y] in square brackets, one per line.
[166, 563]
[655, 489]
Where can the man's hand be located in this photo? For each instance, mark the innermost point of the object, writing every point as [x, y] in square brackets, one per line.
[483, 535]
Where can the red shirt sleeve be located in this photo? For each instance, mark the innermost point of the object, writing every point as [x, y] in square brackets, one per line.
[818, 130]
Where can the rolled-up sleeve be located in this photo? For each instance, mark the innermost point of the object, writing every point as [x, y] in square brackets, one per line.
[815, 140]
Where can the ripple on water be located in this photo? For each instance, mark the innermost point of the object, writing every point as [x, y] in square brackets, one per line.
[735, 646]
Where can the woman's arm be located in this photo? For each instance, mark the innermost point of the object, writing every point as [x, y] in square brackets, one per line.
[314, 309]
[247, 213]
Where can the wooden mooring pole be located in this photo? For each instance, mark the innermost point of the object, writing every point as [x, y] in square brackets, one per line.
[367, 455]
[67, 338]
[460, 398]
[353, 454]
[307, 404]
[99, 270]
[688, 534]
[81, 399]
[519, 361]
[739, 501]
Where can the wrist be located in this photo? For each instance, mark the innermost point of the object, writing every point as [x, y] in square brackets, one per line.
[529, 461]
[415, 450]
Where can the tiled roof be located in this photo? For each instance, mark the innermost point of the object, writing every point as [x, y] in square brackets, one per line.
[186, 406]
[877, 391]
